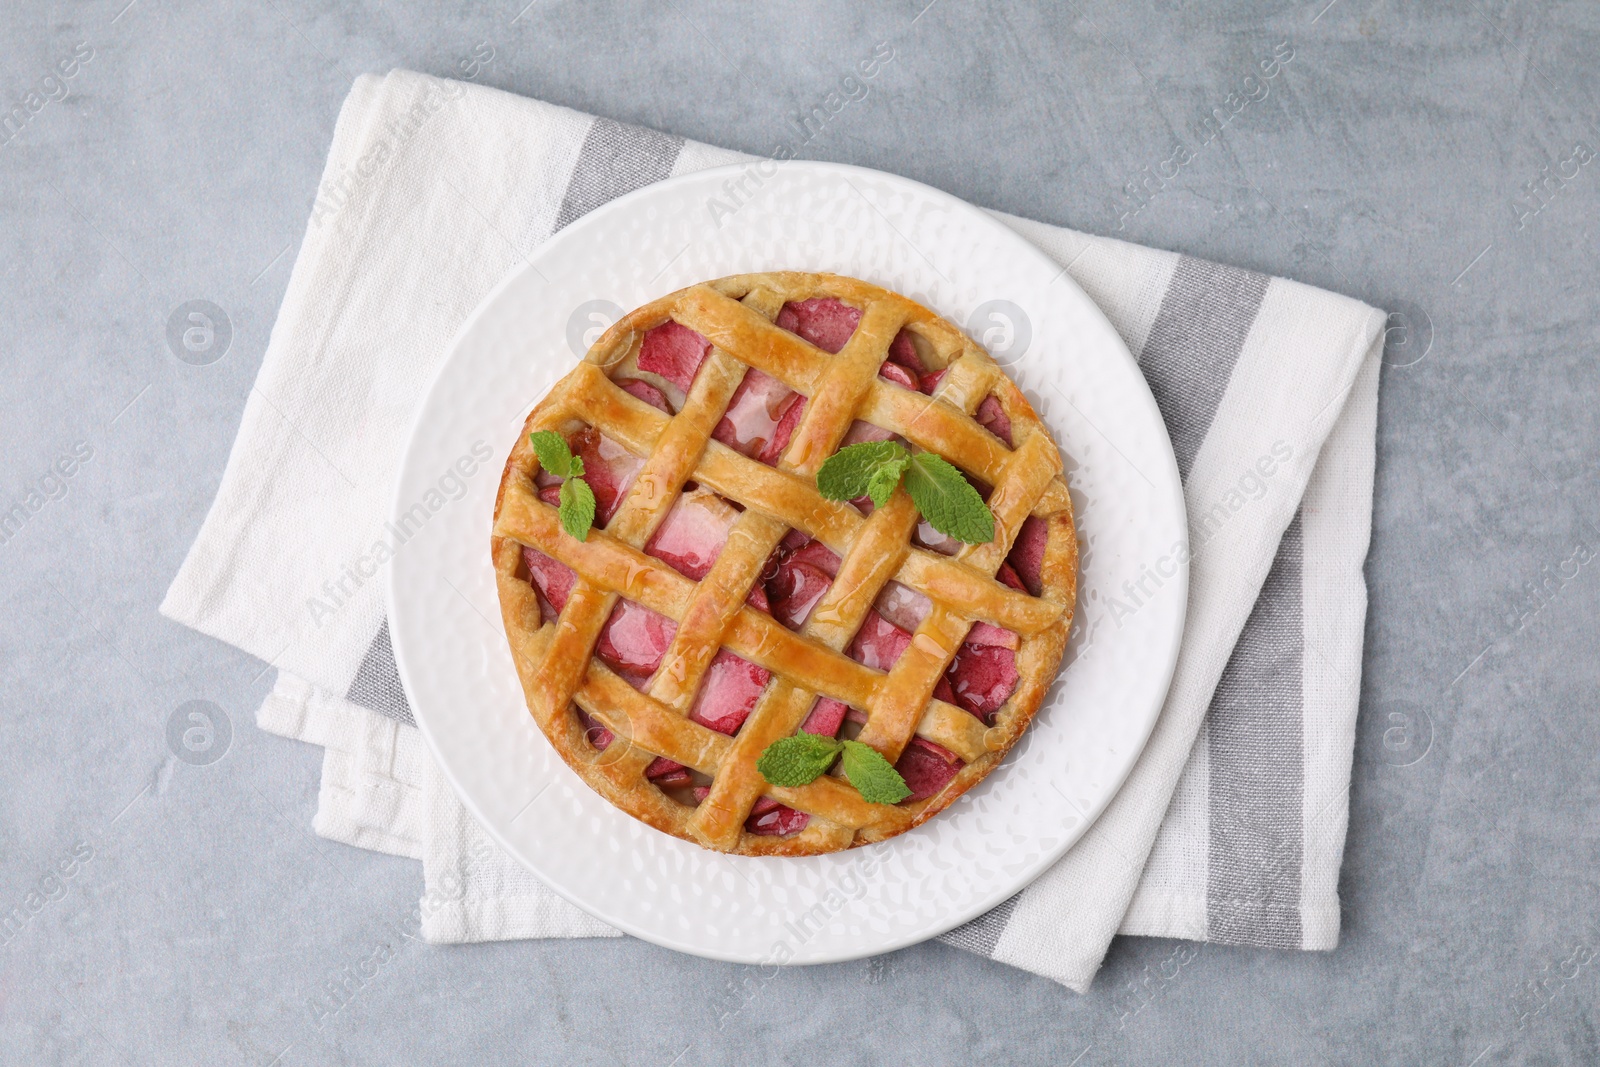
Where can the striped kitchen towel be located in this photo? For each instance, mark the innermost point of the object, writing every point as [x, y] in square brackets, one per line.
[1231, 825]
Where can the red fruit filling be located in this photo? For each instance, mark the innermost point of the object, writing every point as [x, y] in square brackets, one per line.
[825, 717]
[897, 374]
[930, 382]
[824, 321]
[864, 431]
[634, 640]
[903, 350]
[927, 768]
[594, 731]
[608, 468]
[982, 677]
[983, 633]
[758, 598]
[992, 417]
[1027, 555]
[771, 819]
[929, 538]
[903, 606]
[795, 591]
[1008, 576]
[761, 417]
[551, 577]
[879, 642]
[646, 392]
[729, 692]
[768, 818]
[796, 575]
[691, 537]
[794, 539]
[819, 556]
[667, 773]
[675, 352]
[783, 432]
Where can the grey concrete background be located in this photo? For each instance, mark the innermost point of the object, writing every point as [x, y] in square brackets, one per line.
[1408, 155]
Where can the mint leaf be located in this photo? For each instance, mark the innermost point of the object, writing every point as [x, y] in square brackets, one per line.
[947, 500]
[577, 499]
[873, 776]
[577, 508]
[801, 759]
[849, 472]
[798, 760]
[881, 485]
[554, 455]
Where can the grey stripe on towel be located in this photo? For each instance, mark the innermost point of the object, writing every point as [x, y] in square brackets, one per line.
[1254, 731]
[982, 934]
[1205, 316]
[377, 683]
[615, 159]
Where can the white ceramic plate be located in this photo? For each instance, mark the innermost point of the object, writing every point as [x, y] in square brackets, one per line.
[445, 617]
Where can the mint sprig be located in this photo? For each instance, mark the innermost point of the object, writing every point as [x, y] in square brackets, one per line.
[577, 507]
[872, 468]
[577, 499]
[797, 760]
[873, 776]
[945, 498]
[801, 759]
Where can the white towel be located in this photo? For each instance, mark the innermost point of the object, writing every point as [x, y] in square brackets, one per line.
[1230, 827]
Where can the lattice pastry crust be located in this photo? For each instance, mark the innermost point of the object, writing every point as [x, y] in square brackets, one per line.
[616, 637]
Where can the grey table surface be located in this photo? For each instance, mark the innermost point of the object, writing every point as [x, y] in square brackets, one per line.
[1430, 159]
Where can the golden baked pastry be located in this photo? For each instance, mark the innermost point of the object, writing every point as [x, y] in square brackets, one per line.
[721, 603]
